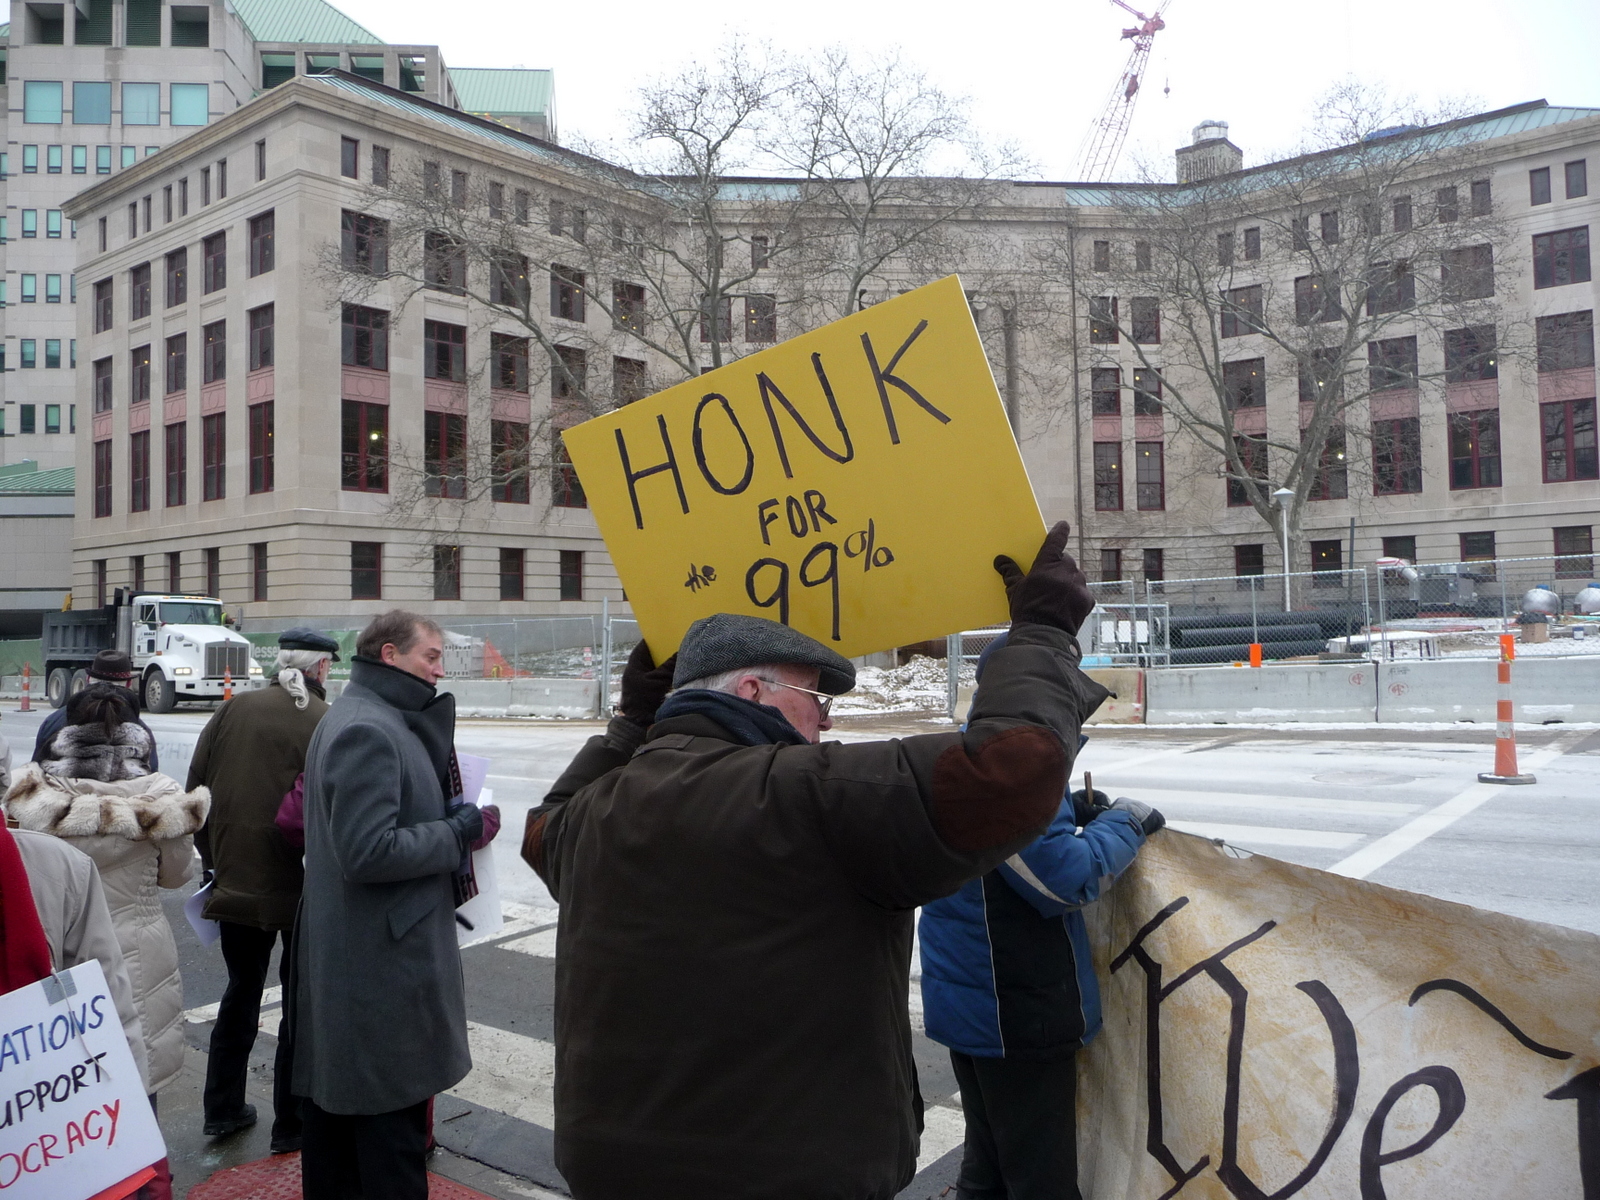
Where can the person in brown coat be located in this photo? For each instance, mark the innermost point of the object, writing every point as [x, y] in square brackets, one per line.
[250, 754]
[737, 900]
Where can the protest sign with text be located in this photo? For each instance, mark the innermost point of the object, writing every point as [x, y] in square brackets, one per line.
[855, 482]
[74, 1119]
[1275, 1031]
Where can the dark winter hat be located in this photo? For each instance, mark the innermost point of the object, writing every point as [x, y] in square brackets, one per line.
[113, 665]
[302, 637]
[730, 641]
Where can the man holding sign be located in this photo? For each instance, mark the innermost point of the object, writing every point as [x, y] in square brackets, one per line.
[736, 900]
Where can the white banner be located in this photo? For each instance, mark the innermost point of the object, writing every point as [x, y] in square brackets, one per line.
[74, 1119]
[1275, 1031]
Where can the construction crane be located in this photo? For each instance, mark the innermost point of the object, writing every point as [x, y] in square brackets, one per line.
[1103, 144]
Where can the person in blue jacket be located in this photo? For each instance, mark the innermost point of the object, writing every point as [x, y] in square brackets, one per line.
[1008, 986]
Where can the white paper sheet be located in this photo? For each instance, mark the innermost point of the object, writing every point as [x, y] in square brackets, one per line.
[483, 910]
[207, 931]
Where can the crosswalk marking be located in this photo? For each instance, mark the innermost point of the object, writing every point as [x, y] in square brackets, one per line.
[208, 1012]
[943, 1129]
[1269, 835]
[1300, 805]
[539, 945]
[511, 1073]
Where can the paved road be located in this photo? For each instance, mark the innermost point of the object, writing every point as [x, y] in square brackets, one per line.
[1400, 807]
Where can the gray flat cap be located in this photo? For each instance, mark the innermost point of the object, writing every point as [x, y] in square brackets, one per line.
[729, 641]
[302, 637]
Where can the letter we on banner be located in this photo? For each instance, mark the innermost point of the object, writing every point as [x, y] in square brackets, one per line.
[1274, 1031]
[854, 482]
[74, 1119]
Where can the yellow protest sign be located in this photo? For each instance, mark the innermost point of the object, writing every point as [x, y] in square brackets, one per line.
[855, 483]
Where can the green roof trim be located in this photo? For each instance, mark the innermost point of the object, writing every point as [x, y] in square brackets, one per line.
[34, 482]
[302, 21]
[504, 91]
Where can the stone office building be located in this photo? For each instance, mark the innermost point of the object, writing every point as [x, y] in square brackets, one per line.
[247, 431]
[90, 90]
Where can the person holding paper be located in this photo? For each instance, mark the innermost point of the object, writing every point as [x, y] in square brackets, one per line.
[737, 897]
[250, 754]
[1008, 986]
[379, 1017]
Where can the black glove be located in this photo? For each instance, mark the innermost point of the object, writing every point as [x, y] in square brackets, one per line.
[645, 685]
[467, 821]
[1054, 592]
[1086, 806]
[1149, 819]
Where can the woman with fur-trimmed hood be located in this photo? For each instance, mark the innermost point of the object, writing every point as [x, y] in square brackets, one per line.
[95, 790]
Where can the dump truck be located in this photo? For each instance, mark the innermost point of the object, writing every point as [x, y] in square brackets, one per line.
[181, 647]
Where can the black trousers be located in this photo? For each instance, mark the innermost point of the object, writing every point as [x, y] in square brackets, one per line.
[247, 951]
[1022, 1131]
[377, 1157]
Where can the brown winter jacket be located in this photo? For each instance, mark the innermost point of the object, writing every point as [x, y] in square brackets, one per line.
[735, 934]
[249, 755]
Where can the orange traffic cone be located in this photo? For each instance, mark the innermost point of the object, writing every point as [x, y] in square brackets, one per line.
[27, 681]
[1505, 738]
[227, 684]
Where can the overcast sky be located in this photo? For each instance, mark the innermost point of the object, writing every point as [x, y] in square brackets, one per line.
[1038, 73]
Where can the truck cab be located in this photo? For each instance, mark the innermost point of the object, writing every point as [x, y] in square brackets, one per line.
[181, 647]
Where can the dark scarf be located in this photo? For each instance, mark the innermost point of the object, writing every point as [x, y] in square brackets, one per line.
[751, 723]
[427, 712]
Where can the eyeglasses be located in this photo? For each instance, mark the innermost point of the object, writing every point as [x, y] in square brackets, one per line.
[824, 701]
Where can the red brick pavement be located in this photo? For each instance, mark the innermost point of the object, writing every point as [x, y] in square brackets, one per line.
[278, 1178]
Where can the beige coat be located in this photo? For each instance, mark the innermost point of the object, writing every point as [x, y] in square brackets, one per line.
[77, 924]
[140, 833]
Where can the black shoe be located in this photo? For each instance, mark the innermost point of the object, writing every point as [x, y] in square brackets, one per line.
[223, 1126]
[286, 1145]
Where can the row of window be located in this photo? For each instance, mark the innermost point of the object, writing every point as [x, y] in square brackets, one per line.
[260, 351]
[28, 289]
[211, 568]
[44, 103]
[28, 419]
[261, 258]
[175, 199]
[1568, 452]
[366, 572]
[1576, 177]
[28, 357]
[54, 159]
[1565, 341]
[29, 222]
[175, 472]
[1573, 544]
[1401, 216]
[45, 24]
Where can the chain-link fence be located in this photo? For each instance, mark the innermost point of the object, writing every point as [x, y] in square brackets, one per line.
[1390, 610]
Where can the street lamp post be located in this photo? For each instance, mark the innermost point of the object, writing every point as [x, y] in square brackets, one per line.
[1283, 496]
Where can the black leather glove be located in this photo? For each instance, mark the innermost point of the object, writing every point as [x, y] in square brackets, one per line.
[1086, 806]
[467, 821]
[645, 685]
[1149, 819]
[1054, 592]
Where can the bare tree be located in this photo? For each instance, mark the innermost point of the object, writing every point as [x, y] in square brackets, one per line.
[891, 167]
[1348, 267]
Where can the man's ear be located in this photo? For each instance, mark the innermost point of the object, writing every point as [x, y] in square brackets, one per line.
[748, 688]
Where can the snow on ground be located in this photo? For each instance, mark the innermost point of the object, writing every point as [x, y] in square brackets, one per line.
[921, 685]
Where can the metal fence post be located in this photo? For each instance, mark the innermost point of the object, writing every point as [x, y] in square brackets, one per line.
[952, 659]
[603, 697]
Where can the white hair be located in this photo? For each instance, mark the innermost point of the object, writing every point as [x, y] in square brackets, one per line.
[292, 668]
[726, 681]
